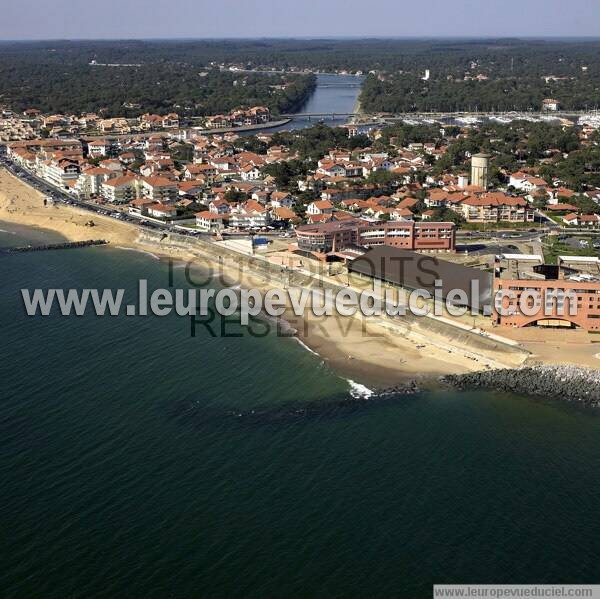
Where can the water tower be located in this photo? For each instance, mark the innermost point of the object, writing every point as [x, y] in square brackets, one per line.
[480, 165]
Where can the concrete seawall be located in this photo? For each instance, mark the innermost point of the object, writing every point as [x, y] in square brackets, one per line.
[440, 332]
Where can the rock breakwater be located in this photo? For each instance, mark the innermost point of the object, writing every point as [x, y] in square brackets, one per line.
[570, 383]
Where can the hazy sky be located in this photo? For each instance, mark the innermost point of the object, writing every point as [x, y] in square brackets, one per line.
[45, 19]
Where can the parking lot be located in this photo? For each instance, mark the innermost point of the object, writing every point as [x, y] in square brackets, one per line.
[481, 249]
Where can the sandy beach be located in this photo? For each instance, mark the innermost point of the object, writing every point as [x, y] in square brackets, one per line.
[361, 350]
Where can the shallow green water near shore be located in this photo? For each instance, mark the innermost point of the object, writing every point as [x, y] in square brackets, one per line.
[127, 470]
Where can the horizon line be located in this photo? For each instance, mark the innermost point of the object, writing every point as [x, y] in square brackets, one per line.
[489, 37]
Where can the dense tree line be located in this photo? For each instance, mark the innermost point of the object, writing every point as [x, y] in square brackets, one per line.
[61, 82]
[56, 75]
[505, 57]
[409, 93]
[580, 170]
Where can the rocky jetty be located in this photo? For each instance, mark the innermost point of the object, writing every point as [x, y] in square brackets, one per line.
[570, 383]
[67, 245]
[340, 406]
[408, 388]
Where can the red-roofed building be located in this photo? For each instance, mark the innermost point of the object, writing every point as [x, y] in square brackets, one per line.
[211, 221]
[159, 188]
[582, 220]
[284, 214]
[319, 218]
[561, 208]
[560, 193]
[336, 235]
[319, 207]
[120, 190]
[161, 211]
[526, 182]
[250, 215]
[495, 207]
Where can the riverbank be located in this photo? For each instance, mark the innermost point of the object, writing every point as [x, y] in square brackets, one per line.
[243, 129]
[362, 350]
[564, 382]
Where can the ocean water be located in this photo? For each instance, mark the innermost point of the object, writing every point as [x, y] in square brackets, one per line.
[138, 461]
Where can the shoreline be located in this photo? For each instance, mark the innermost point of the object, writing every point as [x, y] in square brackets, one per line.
[244, 128]
[367, 352]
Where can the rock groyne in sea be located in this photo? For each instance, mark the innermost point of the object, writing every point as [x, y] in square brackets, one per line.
[570, 383]
[66, 245]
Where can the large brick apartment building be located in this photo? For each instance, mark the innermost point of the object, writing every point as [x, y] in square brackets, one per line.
[323, 238]
[565, 295]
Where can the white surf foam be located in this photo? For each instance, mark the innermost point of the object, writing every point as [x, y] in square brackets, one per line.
[120, 247]
[312, 351]
[359, 391]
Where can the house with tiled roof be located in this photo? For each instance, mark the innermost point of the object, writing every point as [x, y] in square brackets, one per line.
[250, 172]
[90, 180]
[159, 188]
[582, 220]
[120, 190]
[560, 207]
[249, 215]
[224, 163]
[407, 203]
[193, 171]
[163, 211]
[190, 188]
[319, 218]
[283, 214]
[116, 125]
[98, 147]
[219, 206]
[355, 204]
[127, 157]
[211, 221]
[156, 121]
[494, 207]
[319, 207]
[62, 172]
[526, 182]
[281, 199]
[560, 193]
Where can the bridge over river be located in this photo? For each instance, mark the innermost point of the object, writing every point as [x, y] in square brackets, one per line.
[320, 115]
[384, 117]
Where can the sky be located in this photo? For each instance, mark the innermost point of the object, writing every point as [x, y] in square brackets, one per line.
[118, 19]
